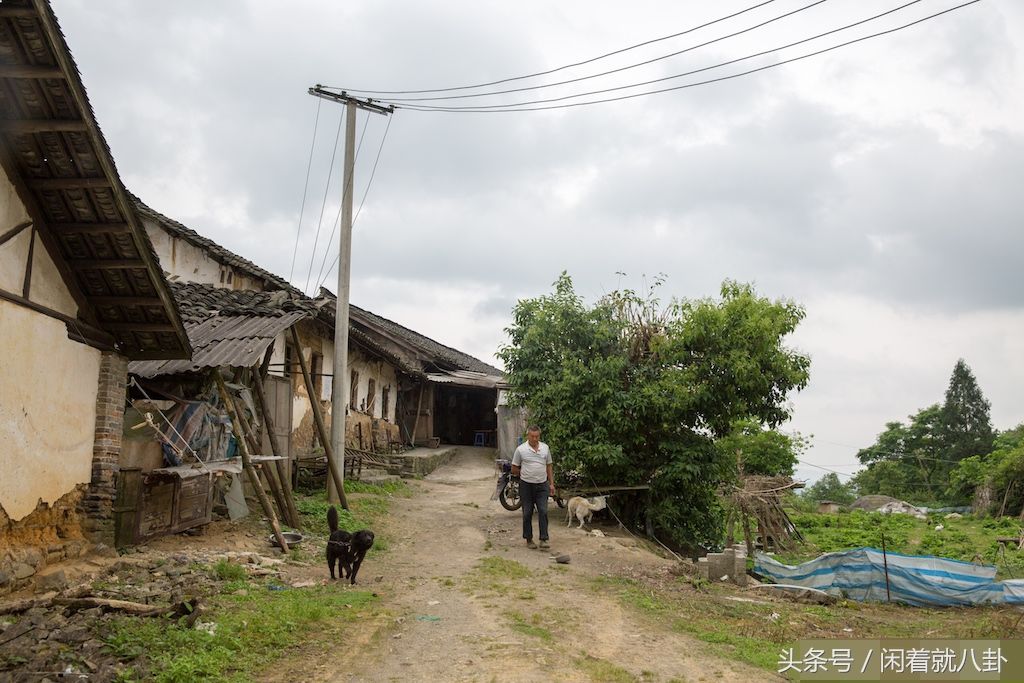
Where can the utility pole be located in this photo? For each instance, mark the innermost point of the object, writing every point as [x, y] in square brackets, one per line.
[340, 386]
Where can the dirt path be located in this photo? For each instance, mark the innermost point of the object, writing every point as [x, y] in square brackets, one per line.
[455, 615]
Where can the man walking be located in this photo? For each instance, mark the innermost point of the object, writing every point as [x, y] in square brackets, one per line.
[532, 464]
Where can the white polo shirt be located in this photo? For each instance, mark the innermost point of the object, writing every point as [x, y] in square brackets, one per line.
[533, 462]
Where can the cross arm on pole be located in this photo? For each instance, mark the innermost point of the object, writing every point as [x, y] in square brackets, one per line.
[343, 97]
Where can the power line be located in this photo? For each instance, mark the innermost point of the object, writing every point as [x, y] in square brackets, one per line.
[337, 219]
[555, 70]
[623, 68]
[891, 453]
[518, 108]
[305, 189]
[373, 172]
[323, 205]
[827, 469]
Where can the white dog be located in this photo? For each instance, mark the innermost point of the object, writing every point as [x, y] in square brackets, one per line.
[582, 509]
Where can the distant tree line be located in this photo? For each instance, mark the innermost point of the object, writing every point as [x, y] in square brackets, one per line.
[946, 454]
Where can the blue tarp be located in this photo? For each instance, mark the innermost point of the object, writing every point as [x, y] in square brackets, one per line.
[922, 580]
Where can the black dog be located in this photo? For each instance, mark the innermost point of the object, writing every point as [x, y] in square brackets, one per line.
[338, 545]
[347, 549]
[360, 543]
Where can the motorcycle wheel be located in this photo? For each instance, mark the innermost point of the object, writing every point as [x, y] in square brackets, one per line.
[509, 496]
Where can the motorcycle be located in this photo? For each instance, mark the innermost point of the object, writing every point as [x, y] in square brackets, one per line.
[507, 490]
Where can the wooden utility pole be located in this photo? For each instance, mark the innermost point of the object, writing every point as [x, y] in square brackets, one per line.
[334, 476]
[340, 387]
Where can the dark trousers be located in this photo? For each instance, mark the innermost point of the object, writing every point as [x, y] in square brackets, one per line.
[534, 495]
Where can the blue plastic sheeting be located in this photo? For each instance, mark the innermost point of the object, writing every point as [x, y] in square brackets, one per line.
[1013, 591]
[921, 580]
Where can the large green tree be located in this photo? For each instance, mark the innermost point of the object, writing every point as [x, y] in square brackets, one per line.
[629, 391]
[966, 425]
[907, 461]
[830, 488]
[1001, 470]
[757, 450]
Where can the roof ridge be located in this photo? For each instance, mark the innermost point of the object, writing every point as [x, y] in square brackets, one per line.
[201, 240]
[429, 339]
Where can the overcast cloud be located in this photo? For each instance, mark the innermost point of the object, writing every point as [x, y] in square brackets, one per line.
[878, 185]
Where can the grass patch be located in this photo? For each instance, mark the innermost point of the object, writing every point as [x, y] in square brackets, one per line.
[395, 487]
[531, 627]
[499, 567]
[753, 632]
[251, 631]
[499, 576]
[603, 671]
[226, 570]
[968, 538]
[368, 504]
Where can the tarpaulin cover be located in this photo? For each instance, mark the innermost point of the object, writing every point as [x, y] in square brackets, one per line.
[921, 580]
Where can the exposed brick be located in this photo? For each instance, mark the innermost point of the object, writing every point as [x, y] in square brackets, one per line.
[98, 501]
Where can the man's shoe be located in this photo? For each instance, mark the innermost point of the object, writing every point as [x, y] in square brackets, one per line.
[544, 545]
[530, 544]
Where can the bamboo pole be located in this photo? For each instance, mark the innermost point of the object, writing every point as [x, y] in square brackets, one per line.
[268, 421]
[885, 562]
[254, 479]
[318, 418]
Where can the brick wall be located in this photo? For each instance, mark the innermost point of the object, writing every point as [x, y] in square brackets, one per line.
[97, 504]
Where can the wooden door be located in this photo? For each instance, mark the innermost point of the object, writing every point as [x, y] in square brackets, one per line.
[279, 398]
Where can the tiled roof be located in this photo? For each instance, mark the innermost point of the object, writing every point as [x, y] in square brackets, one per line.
[226, 256]
[227, 327]
[62, 167]
[198, 302]
[436, 352]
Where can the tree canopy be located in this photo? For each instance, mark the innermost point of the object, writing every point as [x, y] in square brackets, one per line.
[757, 450]
[918, 461]
[631, 392]
[966, 427]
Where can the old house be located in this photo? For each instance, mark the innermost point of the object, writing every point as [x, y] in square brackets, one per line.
[395, 374]
[81, 294]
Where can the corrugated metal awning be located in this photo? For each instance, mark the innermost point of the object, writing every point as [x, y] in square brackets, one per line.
[223, 341]
[465, 378]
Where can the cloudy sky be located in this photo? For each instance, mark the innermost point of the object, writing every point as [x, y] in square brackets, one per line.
[879, 185]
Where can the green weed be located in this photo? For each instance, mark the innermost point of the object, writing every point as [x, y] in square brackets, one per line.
[531, 627]
[250, 632]
[499, 567]
[603, 671]
[226, 570]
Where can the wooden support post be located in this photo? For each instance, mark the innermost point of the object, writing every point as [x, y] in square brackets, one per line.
[243, 447]
[268, 421]
[747, 535]
[416, 420]
[318, 418]
[268, 473]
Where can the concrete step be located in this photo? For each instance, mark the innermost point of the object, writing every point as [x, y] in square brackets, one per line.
[376, 476]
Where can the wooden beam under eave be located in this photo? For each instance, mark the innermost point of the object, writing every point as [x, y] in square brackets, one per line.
[126, 301]
[90, 228]
[107, 264]
[29, 71]
[68, 183]
[31, 126]
[138, 327]
[15, 12]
